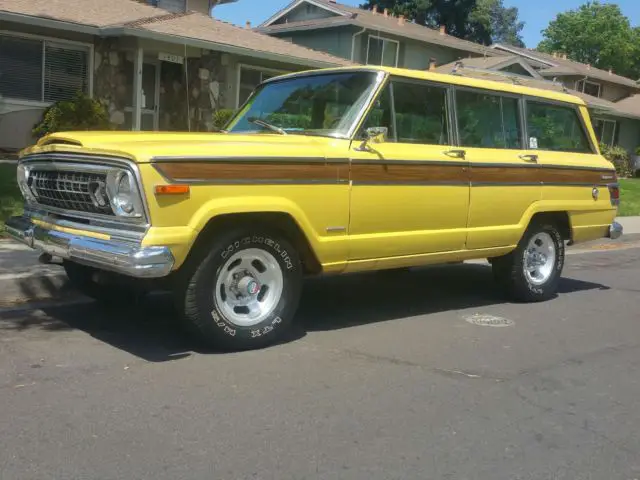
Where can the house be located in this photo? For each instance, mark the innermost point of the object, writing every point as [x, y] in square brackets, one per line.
[368, 36]
[154, 68]
[374, 37]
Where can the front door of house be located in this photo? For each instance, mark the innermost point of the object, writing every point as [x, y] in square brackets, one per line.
[150, 97]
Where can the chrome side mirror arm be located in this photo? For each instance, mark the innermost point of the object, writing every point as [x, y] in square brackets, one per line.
[373, 135]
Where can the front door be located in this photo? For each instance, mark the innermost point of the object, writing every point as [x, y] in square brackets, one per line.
[410, 194]
[150, 96]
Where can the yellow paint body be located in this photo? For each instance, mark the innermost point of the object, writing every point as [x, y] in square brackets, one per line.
[350, 227]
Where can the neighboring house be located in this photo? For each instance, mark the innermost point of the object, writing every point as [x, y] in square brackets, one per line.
[614, 124]
[368, 36]
[201, 6]
[373, 37]
[154, 69]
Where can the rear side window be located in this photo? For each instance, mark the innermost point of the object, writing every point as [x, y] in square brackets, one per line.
[488, 121]
[557, 128]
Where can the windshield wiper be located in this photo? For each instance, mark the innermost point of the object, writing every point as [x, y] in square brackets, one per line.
[267, 125]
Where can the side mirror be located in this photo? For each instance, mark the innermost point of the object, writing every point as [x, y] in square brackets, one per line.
[373, 135]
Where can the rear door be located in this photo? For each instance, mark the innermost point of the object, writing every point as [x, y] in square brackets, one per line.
[504, 182]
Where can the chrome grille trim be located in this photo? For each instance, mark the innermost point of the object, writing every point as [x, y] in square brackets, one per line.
[91, 164]
[69, 190]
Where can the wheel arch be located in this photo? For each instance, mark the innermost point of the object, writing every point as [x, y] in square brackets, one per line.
[281, 222]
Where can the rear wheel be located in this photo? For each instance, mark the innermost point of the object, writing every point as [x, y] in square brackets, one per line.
[531, 272]
[241, 292]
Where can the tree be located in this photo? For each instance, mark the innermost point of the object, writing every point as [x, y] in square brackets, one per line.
[481, 21]
[598, 34]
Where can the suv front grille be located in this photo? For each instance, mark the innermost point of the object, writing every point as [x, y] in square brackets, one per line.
[79, 191]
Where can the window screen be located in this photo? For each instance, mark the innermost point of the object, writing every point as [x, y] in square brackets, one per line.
[382, 52]
[554, 127]
[488, 121]
[41, 71]
[21, 68]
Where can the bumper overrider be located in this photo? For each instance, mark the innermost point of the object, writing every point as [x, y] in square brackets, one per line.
[127, 258]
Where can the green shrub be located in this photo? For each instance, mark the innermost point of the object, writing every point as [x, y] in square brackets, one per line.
[638, 151]
[79, 113]
[221, 118]
[620, 159]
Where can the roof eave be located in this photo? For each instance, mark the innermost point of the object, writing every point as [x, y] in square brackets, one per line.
[43, 22]
[295, 4]
[292, 27]
[221, 47]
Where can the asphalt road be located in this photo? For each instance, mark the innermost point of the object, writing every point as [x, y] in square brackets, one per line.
[383, 379]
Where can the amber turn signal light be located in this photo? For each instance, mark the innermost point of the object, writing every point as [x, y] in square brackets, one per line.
[172, 189]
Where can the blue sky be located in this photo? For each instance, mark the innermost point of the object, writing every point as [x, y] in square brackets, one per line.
[536, 13]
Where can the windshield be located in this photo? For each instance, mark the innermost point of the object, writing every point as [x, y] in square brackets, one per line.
[322, 104]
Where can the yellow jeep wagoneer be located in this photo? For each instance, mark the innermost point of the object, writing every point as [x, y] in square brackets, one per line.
[330, 171]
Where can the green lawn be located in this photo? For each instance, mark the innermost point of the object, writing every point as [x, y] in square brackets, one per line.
[10, 197]
[629, 197]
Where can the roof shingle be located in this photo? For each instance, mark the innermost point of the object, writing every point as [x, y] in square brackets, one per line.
[137, 17]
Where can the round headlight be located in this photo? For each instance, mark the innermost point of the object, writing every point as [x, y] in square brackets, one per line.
[124, 191]
[123, 199]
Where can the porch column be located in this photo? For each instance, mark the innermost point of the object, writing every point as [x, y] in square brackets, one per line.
[137, 89]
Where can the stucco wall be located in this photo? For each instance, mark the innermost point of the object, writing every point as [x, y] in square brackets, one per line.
[305, 12]
[629, 134]
[336, 41]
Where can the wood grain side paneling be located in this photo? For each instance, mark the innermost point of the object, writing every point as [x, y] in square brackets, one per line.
[406, 173]
[259, 172]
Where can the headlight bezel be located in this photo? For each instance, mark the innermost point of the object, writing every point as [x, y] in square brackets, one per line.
[116, 197]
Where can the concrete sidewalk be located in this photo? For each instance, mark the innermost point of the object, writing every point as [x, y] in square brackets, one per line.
[24, 279]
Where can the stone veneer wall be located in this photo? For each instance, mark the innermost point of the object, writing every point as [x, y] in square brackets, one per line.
[111, 82]
[207, 87]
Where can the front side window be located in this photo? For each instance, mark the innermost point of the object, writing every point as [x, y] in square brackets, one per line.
[326, 104]
[557, 128]
[419, 113]
[488, 121]
[382, 52]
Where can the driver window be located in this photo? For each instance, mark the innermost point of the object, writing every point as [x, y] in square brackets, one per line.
[421, 114]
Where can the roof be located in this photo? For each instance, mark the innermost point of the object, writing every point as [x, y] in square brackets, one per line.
[375, 21]
[630, 109]
[471, 78]
[128, 17]
[488, 63]
[630, 105]
[560, 66]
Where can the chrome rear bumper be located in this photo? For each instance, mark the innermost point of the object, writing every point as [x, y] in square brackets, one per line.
[130, 259]
[615, 231]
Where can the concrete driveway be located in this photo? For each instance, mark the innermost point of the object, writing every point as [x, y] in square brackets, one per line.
[386, 377]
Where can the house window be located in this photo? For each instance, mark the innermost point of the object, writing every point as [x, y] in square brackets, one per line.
[606, 131]
[250, 77]
[382, 51]
[590, 88]
[41, 70]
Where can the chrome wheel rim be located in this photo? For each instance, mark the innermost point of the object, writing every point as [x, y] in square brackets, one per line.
[249, 287]
[539, 258]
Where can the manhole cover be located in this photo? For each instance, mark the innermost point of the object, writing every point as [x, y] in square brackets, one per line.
[488, 320]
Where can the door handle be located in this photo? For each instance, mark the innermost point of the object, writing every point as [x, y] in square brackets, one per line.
[529, 158]
[456, 153]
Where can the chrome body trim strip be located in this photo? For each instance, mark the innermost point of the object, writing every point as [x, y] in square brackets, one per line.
[243, 181]
[267, 160]
[126, 258]
[410, 183]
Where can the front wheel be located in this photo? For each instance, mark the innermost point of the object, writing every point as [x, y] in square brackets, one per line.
[531, 273]
[241, 292]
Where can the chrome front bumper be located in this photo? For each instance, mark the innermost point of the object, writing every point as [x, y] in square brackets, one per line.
[615, 231]
[129, 259]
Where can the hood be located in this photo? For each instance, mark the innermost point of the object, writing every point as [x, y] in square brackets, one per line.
[142, 147]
